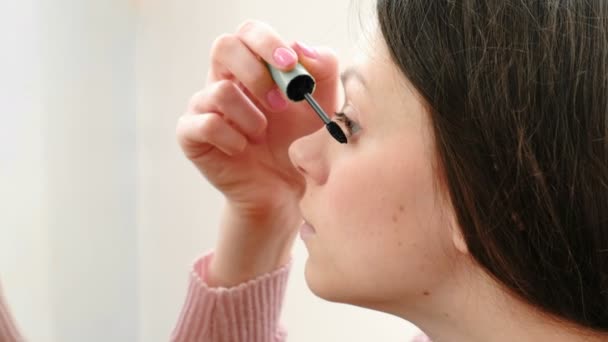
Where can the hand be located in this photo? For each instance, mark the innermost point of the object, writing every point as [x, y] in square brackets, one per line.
[236, 136]
[237, 132]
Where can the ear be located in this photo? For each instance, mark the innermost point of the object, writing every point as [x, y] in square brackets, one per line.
[457, 237]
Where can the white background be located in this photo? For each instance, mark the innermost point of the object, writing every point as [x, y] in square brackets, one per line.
[100, 214]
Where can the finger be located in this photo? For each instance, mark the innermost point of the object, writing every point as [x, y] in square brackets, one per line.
[199, 134]
[231, 59]
[263, 41]
[322, 63]
[227, 98]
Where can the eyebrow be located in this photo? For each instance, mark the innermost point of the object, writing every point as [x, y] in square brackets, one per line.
[351, 73]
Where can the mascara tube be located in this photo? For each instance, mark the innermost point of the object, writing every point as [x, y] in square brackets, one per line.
[297, 84]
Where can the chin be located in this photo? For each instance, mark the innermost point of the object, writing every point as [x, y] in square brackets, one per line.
[337, 287]
[324, 284]
[318, 283]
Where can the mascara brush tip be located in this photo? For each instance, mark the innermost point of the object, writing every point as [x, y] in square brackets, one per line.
[336, 132]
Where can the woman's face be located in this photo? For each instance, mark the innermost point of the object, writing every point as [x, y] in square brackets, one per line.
[382, 230]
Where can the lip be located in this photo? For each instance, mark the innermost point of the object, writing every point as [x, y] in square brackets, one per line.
[306, 230]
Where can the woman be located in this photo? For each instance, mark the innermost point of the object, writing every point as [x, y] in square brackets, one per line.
[471, 198]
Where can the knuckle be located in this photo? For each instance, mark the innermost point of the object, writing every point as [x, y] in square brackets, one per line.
[213, 97]
[209, 125]
[225, 88]
[181, 129]
[222, 43]
[179, 126]
[196, 102]
[258, 35]
[225, 91]
[247, 26]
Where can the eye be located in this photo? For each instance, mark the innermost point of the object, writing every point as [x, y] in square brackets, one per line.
[351, 126]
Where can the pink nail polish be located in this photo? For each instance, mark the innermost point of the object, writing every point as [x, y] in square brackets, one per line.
[276, 100]
[307, 51]
[284, 57]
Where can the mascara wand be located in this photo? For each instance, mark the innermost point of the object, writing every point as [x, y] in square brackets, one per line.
[299, 85]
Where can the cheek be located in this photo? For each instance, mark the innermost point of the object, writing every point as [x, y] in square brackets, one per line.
[383, 219]
[370, 193]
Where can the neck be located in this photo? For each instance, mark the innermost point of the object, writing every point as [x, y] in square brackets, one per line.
[476, 309]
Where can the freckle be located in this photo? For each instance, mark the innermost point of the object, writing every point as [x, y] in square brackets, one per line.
[446, 314]
[426, 293]
[400, 243]
[401, 207]
[394, 218]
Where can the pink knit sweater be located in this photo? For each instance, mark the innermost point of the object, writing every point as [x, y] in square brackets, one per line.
[248, 312]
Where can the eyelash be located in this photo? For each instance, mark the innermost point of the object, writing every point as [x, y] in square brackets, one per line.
[351, 126]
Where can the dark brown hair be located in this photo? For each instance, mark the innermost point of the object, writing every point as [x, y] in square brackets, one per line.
[517, 92]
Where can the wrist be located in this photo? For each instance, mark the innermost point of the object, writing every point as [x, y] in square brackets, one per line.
[252, 245]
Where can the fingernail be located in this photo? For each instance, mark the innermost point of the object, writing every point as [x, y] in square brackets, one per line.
[307, 50]
[284, 57]
[276, 100]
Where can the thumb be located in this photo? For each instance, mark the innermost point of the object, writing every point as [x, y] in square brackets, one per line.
[322, 63]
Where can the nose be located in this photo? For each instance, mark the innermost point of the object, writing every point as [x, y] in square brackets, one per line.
[308, 155]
